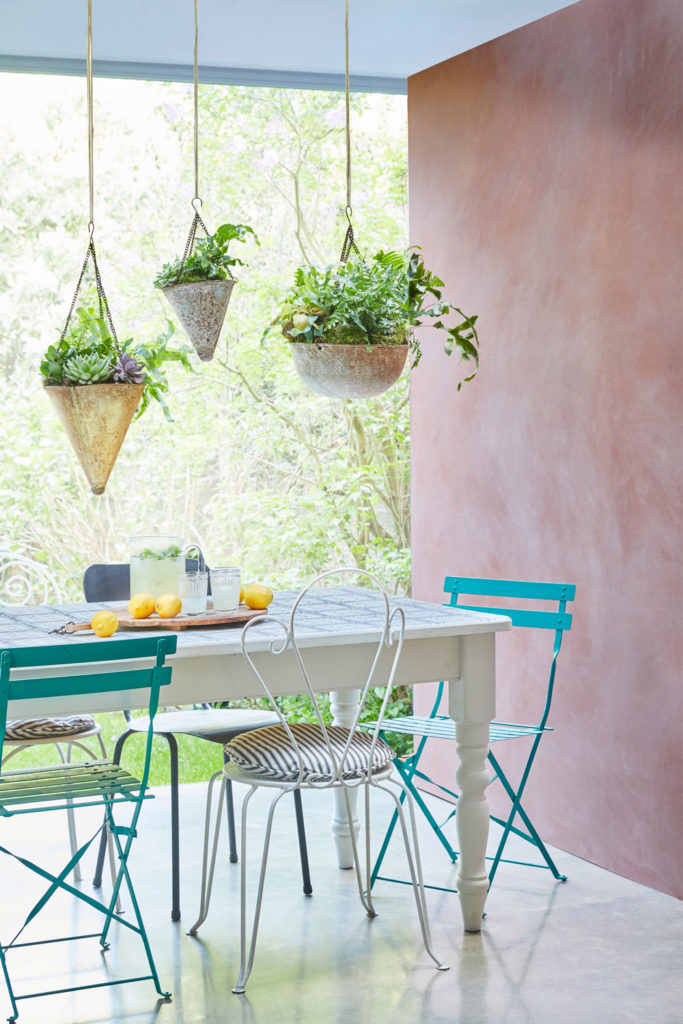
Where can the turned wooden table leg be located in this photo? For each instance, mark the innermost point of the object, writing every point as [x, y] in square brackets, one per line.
[472, 705]
[344, 704]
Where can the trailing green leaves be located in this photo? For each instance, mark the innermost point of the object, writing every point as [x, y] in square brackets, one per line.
[369, 303]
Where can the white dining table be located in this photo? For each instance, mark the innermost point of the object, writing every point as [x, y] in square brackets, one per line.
[336, 630]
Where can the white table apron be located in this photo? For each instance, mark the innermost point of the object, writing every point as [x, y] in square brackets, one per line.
[440, 643]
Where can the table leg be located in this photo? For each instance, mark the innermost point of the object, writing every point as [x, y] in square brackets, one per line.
[344, 704]
[472, 705]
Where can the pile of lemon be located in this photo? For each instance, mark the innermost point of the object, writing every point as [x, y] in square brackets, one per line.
[141, 606]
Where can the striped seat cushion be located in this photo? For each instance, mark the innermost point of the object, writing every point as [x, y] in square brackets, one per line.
[49, 728]
[268, 753]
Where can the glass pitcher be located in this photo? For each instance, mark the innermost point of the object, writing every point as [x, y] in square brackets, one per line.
[157, 563]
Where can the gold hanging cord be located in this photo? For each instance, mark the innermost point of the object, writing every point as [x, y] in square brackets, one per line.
[349, 243]
[196, 220]
[90, 251]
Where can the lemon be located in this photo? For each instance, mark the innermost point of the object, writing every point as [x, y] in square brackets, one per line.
[241, 595]
[168, 605]
[256, 595]
[141, 605]
[104, 623]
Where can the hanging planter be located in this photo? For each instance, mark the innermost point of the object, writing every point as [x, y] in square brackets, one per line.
[351, 324]
[345, 369]
[96, 420]
[95, 383]
[199, 285]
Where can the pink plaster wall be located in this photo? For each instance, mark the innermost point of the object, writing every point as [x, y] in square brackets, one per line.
[545, 187]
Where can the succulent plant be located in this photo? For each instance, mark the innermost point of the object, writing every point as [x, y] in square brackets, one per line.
[129, 369]
[88, 368]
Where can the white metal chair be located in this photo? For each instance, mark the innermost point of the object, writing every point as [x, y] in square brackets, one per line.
[23, 581]
[289, 757]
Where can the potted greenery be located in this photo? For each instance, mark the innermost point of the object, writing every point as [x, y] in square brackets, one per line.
[97, 384]
[199, 285]
[351, 324]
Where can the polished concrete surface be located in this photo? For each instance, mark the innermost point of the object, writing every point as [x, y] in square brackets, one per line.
[597, 949]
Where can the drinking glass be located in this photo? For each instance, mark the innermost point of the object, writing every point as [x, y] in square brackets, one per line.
[225, 588]
[193, 589]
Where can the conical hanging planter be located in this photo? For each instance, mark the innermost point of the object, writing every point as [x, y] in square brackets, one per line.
[199, 285]
[201, 307]
[96, 418]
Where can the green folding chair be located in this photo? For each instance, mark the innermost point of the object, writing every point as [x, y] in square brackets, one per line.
[438, 726]
[81, 784]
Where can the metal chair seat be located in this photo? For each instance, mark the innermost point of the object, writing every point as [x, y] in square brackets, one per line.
[443, 728]
[213, 724]
[79, 784]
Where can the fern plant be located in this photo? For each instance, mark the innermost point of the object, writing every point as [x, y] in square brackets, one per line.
[375, 302]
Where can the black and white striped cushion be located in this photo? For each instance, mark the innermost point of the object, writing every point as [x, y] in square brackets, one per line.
[268, 753]
[49, 728]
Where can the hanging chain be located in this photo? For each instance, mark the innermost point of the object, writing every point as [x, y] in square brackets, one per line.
[196, 220]
[349, 244]
[196, 105]
[90, 254]
[91, 131]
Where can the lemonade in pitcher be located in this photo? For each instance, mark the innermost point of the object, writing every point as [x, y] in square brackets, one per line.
[156, 565]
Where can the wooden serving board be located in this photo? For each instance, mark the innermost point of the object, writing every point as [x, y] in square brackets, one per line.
[154, 621]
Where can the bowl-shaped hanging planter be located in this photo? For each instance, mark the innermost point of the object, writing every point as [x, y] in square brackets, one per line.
[343, 370]
[351, 325]
[201, 307]
[96, 418]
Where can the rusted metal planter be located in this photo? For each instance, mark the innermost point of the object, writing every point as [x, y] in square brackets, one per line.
[96, 418]
[348, 371]
[201, 307]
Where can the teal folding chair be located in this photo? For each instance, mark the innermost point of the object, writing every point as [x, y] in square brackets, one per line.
[98, 783]
[438, 726]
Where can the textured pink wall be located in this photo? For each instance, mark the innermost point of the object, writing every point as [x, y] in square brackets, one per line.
[545, 187]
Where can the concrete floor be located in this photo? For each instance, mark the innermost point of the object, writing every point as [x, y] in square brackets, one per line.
[597, 949]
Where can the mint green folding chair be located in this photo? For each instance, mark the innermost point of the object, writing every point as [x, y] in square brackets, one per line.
[439, 726]
[98, 783]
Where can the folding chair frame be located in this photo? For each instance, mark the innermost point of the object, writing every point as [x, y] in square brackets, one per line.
[443, 727]
[81, 784]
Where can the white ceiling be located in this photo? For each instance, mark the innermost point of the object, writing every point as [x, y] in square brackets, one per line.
[269, 42]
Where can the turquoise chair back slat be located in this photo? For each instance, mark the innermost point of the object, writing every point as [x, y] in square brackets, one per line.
[522, 589]
[99, 682]
[525, 617]
[76, 652]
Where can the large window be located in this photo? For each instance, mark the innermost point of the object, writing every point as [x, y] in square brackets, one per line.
[254, 467]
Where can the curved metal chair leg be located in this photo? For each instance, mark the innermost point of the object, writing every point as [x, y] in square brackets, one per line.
[246, 963]
[365, 897]
[207, 885]
[414, 866]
